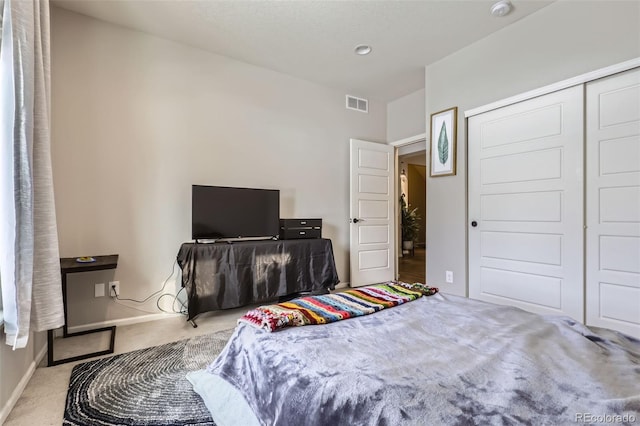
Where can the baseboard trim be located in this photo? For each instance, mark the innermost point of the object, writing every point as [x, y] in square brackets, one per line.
[342, 285]
[41, 355]
[119, 322]
[17, 392]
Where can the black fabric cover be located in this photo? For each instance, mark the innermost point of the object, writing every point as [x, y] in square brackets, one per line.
[228, 275]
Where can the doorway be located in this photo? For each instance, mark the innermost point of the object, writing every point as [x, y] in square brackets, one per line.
[413, 198]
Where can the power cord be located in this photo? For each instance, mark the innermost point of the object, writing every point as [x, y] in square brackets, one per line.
[134, 308]
[183, 309]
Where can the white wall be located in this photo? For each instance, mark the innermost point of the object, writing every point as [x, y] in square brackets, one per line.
[560, 41]
[137, 120]
[16, 368]
[405, 116]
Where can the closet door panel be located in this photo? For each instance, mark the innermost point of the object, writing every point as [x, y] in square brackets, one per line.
[613, 202]
[526, 196]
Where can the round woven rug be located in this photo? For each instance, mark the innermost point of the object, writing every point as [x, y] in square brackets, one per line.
[144, 387]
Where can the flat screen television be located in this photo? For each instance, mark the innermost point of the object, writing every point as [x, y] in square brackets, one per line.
[220, 212]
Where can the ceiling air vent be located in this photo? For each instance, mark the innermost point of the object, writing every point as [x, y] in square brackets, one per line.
[357, 104]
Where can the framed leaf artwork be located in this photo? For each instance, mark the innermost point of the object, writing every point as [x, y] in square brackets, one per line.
[443, 142]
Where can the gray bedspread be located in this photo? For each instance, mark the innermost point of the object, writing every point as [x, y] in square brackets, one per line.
[438, 360]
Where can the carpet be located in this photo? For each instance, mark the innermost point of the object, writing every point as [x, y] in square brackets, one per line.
[143, 387]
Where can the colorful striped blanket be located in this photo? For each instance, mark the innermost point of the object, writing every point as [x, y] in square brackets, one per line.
[326, 308]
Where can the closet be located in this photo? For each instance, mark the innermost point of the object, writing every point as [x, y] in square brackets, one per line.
[554, 203]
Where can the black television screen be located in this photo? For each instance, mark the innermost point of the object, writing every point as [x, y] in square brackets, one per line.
[225, 212]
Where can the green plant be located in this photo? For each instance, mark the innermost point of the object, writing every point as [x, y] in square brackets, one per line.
[410, 221]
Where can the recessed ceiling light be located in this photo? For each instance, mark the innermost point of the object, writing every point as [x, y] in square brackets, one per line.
[362, 49]
[501, 8]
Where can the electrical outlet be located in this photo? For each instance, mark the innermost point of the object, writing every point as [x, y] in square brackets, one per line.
[99, 290]
[114, 288]
[449, 277]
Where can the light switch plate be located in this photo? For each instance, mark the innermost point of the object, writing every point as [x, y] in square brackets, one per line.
[99, 290]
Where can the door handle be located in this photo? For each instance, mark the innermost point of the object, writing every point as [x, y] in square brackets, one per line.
[356, 220]
[474, 223]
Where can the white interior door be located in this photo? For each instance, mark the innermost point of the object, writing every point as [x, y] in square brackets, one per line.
[372, 213]
[613, 202]
[526, 200]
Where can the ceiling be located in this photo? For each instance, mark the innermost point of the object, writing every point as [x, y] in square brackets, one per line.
[314, 40]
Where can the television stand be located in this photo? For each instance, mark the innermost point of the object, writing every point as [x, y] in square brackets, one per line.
[226, 276]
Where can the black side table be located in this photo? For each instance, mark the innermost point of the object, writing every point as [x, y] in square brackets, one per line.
[69, 265]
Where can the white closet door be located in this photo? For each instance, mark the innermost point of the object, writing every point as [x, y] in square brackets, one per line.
[613, 202]
[526, 197]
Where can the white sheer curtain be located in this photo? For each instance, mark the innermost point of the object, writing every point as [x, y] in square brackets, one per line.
[29, 258]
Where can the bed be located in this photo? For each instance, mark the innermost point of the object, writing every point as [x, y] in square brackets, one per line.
[440, 359]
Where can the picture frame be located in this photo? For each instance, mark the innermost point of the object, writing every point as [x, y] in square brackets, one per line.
[443, 133]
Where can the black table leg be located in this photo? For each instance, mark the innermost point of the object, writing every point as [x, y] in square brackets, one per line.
[65, 333]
